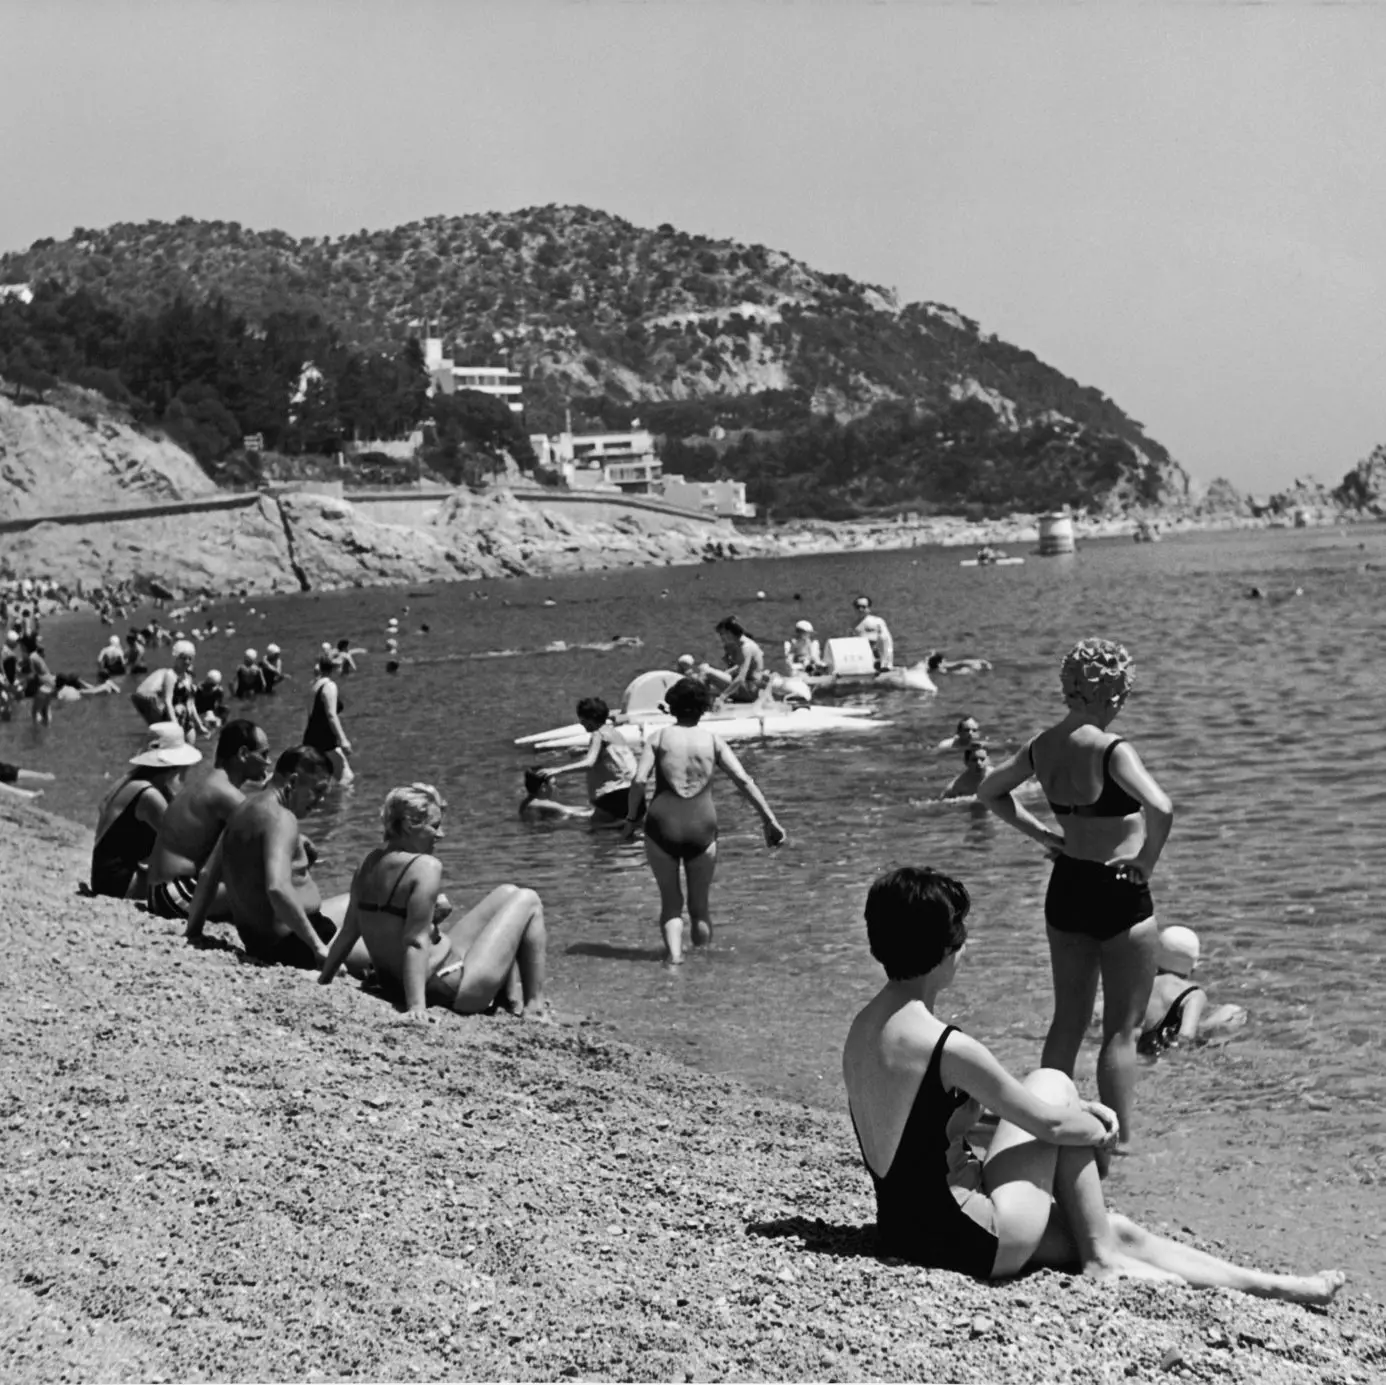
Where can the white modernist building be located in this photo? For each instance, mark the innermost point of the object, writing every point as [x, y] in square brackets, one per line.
[496, 380]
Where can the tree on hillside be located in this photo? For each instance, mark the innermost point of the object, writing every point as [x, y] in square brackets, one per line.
[198, 420]
[471, 433]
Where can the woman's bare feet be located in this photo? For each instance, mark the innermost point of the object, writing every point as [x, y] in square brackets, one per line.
[1309, 1288]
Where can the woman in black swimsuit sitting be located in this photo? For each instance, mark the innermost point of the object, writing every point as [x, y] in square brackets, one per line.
[397, 909]
[128, 822]
[681, 824]
[1114, 820]
[914, 1089]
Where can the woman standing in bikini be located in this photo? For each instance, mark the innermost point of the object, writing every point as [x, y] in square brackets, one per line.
[397, 909]
[1114, 820]
[681, 824]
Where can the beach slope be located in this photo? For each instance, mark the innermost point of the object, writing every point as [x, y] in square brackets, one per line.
[218, 1170]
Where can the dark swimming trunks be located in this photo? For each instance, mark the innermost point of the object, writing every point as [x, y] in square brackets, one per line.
[615, 804]
[1112, 802]
[920, 1214]
[9, 774]
[1088, 897]
[1162, 1036]
[292, 951]
[683, 827]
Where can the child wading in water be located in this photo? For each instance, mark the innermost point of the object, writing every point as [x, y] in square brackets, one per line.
[609, 762]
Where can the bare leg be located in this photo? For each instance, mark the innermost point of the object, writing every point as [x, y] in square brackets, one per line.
[1073, 959]
[341, 767]
[1204, 1271]
[1128, 973]
[512, 935]
[700, 871]
[666, 873]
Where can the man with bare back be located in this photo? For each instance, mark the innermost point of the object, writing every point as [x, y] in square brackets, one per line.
[263, 861]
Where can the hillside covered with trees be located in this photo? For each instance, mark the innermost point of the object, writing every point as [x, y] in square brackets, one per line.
[824, 394]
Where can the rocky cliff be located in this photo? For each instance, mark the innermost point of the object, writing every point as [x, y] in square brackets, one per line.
[55, 462]
[302, 542]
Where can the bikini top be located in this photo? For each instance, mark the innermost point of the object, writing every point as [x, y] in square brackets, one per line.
[398, 911]
[1112, 802]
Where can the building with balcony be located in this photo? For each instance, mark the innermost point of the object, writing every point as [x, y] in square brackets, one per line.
[603, 461]
[499, 381]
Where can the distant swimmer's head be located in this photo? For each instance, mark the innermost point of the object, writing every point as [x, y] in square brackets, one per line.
[935, 661]
[685, 663]
[688, 699]
[968, 729]
[213, 678]
[730, 628]
[252, 656]
[916, 918]
[271, 649]
[1097, 673]
[391, 645]
[343, 645]
[1178, 950]
[862, 604]
[537, 783]
[114, 641]
[976, 757]
[184, 650]
[413, 808]
[593, 712]
[803, 627]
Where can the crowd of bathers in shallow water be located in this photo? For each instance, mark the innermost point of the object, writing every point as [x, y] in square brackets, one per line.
[229, 848]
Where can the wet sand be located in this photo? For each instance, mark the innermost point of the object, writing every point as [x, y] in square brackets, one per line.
[219, 1170]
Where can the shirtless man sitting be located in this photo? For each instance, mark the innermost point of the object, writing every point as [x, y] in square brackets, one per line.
[195, 819]
[263, 860]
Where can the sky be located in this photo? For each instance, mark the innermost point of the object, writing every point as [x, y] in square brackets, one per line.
[1183, 205]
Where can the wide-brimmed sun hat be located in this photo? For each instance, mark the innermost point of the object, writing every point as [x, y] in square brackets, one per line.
[167, 748]
[1178, 950]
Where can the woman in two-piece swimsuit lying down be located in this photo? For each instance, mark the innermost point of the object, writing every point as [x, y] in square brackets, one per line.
[915, 1086]
[681, 823]
[1114, 820]
[396, 907]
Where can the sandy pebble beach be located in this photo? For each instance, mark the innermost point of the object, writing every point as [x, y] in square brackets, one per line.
[218, 1170]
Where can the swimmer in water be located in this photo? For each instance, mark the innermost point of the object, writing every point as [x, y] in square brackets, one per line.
[392, 656]
[977, 763]
[936, 663]
[1178, 1013]
[539, 804]
[608, 761]
[11, 776]
[968, 733]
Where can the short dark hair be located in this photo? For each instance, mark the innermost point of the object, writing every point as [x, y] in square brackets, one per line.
[973, 752]
[962, 721]
[915, 916]
[689, 697]
[593, 709]
[299, 759]
[731, 625]
[534, 781]
[344, 645]
[236, 736]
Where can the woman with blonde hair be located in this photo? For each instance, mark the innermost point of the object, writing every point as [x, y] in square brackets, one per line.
[1114, 820]
[398, 910]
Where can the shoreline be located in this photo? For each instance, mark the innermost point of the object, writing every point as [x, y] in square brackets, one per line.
[220, 1170]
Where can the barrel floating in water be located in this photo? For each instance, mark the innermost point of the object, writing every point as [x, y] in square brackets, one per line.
[1055, 534]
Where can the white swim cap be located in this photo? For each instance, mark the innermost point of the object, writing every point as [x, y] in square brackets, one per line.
[184, 649]
[804, 627]
[271, 649]
[685, 661]
[251, 656]
[1178, 950]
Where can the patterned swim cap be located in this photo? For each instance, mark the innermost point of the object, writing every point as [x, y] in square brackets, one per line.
[1096, 672]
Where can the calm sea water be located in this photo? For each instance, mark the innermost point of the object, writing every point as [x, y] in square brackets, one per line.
[1262, 718]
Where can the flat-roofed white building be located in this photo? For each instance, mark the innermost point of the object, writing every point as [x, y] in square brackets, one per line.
[724, 498]
[496, 380]
[595, 461]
